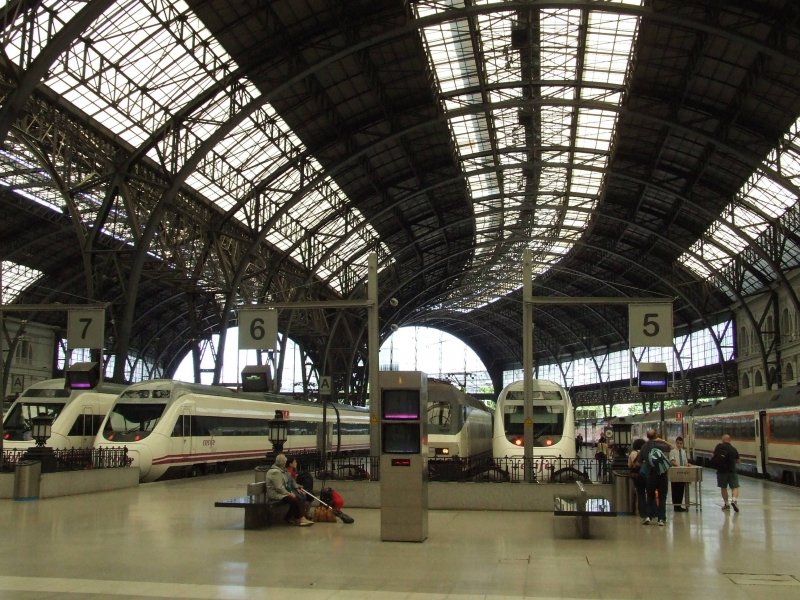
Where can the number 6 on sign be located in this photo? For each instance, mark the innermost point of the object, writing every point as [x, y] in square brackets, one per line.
[650, 324]
[258, 328]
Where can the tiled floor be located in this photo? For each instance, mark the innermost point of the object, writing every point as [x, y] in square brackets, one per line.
[166, 540]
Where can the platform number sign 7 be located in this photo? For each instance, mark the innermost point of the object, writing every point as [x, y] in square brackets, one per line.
[650, 324]
[86, 328]
[258, 328]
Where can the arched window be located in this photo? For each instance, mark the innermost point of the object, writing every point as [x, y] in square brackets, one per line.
[789, 373]
[759, 381]
[745, 381]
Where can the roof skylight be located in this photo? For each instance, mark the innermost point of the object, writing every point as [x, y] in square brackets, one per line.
[533, 156]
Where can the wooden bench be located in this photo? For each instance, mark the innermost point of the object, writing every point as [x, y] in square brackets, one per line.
[582, 506]
[258, 511]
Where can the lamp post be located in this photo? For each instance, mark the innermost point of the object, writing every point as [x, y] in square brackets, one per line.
[278, 430]
[41, 428]
[621, 434]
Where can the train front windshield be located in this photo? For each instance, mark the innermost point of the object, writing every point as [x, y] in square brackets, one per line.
[18, 422]
[548, 417]
[135, 414]
[440, 417]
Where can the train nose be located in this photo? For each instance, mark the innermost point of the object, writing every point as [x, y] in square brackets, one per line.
[141, 458]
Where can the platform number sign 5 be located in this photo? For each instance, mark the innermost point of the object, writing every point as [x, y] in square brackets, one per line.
[650, 324]
[86, 328]
[258, 328]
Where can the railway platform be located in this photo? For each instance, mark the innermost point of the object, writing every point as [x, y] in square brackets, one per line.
[166, 540]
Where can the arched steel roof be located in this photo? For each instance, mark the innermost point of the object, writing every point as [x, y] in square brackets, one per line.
[181, 159]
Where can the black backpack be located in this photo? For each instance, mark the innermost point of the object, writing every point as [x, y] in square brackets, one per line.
[720, 459]
[306, 479]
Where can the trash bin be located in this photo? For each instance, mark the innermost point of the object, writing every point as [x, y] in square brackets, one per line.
[260, 473]
[621, 492]
[26, 480]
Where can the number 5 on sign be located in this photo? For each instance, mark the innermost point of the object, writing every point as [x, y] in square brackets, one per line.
[258, 328]
[650, 324]
[86, 328]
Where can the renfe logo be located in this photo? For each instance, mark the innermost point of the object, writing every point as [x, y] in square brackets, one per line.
[209, 442]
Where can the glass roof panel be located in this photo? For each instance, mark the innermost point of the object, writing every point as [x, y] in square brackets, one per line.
[16, 278]
[565, 144]
[140, 63]
[764, 196]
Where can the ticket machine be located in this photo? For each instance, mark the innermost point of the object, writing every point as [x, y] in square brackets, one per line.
[404, 456]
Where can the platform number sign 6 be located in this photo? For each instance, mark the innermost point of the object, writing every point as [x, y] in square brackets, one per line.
[258, 328]
[650, 324]
[86, 328]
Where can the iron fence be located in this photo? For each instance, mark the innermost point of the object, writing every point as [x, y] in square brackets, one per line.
[76, 459]
[541, 469]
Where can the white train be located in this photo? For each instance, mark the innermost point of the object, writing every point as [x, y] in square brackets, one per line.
[458, 425]
[553, 424]
[172, 428]
[764, 427]
[77, 414]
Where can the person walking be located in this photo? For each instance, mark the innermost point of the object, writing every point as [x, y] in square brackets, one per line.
[678, 458]
[657, 482]
[726, 456]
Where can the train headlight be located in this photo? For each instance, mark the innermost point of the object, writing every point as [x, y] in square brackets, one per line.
[518, 442]
[445, 451]
[548, 442]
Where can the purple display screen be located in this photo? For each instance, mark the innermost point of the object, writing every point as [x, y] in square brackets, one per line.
[400, 405]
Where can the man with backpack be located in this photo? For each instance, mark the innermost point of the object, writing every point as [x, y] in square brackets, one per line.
[724, 460]
[654, 461]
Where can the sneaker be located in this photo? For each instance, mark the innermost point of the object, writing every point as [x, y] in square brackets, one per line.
[646, 521]
[735, 506]
[303, 522]
[726, 507]
[661, 523]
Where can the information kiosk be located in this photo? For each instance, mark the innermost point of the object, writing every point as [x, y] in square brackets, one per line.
[404, 456]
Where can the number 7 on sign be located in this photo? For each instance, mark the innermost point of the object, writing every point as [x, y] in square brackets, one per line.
[86, 328]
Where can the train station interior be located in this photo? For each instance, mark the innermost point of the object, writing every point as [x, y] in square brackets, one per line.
[599, 195]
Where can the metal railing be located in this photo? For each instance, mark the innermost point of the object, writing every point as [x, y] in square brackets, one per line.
[543, 469]
[76, 459]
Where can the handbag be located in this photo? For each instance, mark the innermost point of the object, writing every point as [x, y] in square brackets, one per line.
[323, 514]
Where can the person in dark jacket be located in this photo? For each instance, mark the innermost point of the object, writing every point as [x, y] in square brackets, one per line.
[727, 476]
[656, 483]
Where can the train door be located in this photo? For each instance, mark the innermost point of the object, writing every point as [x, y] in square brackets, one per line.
[87, 427]
[185, 420]
[761, 441]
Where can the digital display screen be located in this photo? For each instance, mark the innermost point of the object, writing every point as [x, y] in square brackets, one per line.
[401, 438]
[83, 376]
[400, 405]
[653, 382]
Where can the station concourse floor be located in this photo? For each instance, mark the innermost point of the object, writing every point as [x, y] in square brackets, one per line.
[167, 540]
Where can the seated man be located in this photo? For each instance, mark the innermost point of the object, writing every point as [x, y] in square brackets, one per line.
[277, 490]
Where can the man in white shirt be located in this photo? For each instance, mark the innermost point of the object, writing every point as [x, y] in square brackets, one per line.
[679, 459]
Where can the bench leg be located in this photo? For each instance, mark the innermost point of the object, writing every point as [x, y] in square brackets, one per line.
[256, 517]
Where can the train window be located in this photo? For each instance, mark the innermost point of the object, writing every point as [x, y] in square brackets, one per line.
[439, 416]
[132, 421]
[784, 427]
[17, 424]
[37, 393]
[135, 394]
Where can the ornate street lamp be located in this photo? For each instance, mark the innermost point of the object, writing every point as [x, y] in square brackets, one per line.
[41, 427]
[278, 430]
